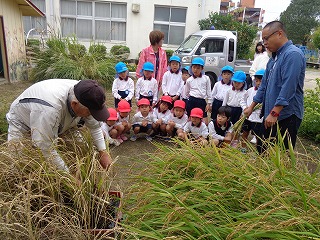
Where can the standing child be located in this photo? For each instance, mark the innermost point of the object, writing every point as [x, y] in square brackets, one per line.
[220, 129]
[254, 122]
[109, 131]
[185, 76]
[198, 89]
[123, 124]
[172, 82]
[220, 89]
[196, 128]
[161, 110]
[123, 86]
[143, 119]
[147, 86]
[235, 94]
[176, 120]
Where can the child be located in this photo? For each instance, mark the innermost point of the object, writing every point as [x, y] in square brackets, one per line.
[176, 120]
[219, 90]
[185, 76]
[123, 125]
[172, 82]
[235, 94]
[198, 89]
[254, 121]
[161, 110]
[147, 86]
[143, 119]
[196, 128]
[123, 86]
[220, 129]
[109, 131]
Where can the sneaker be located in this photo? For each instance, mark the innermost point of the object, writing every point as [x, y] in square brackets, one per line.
[254, 140]
[114, 142]
[149, 138]
[123, 137]
[119, 139]
[133, 138]
[243, 150]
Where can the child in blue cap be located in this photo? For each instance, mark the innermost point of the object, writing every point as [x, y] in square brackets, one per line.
[185, 76]
[123, 85]
[172, 82]
[220, 89]
[147, 86]
[254, 122]
[235, 94]
[198, 89]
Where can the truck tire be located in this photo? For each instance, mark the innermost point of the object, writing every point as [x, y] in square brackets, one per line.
[213, 78]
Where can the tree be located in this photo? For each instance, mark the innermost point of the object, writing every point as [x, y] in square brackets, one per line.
[316, 38]
[300, 18]
[246, 33]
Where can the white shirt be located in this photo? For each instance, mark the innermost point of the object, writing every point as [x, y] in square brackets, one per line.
[214, 134]
[233, 98]
[147, 88]
[179, 122]
[195, 131]
[199, 87]
[160, 115]
[172, 83]
[246, 101]
[183, 91]
[219, 90]
[138, 118]
[48, 122]
[123, 85]
[260, 62]
[122, 119]
[106, 129]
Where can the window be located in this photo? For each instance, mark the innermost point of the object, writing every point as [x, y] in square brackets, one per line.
[96, 20]
[211, 45]
[39, 24]
[172, 22]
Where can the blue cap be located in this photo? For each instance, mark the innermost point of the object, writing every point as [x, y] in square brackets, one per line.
[121, 67]
[197, 61]
[148, 66]
[239, 76]
[227, 68]
[186, 68]
[174, 58]
[260, 72]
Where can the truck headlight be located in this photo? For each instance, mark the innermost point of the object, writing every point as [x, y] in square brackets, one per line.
[186, 59]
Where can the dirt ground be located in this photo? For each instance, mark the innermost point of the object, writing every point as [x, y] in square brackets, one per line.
[132, 157]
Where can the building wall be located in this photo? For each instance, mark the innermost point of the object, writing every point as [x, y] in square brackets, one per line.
[140, 24]
[14, 37]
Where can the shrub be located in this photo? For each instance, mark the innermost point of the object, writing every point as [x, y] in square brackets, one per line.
[169, 53]
[190, 192]
[98, 51]
[310, 126]
[120, 52]
[76, 50]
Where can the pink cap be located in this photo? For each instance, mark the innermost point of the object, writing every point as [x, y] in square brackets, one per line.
[196, 112]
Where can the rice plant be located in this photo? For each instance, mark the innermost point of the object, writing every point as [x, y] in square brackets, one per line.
[211, 193]
[39, 202]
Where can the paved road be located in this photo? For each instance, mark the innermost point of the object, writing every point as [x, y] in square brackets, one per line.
[310, 79]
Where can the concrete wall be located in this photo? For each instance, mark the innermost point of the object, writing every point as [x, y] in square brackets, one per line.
[14, 40]
[140, 24]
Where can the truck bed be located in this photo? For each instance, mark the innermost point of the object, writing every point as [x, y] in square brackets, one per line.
[243, 65]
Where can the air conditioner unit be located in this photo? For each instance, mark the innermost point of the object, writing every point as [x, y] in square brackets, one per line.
[135, 8]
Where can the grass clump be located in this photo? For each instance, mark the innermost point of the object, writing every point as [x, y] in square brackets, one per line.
[66, 58]
[210, 193]
[39, 202]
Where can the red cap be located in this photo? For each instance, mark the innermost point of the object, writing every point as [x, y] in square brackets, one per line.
[124, 106]
[143, 101]
[113, 114]
[91, 95]
[196, 112]
[180, 104]
[167, 99]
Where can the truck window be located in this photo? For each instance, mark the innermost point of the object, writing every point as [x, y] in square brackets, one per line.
[188, 44]
[231, 50]
[212, 45]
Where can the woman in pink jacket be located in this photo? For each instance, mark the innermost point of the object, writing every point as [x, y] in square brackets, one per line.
[154, 54]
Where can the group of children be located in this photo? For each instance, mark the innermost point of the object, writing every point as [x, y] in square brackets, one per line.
[182, 109]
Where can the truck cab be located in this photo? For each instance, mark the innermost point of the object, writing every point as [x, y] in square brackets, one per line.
[216, 47]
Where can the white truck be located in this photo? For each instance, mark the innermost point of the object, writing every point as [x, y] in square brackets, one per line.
[217, 48]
